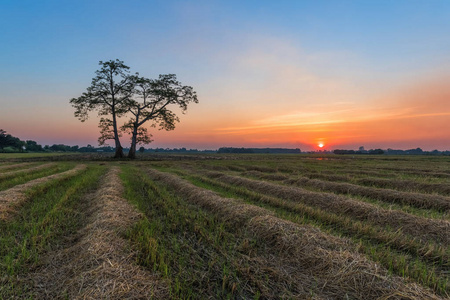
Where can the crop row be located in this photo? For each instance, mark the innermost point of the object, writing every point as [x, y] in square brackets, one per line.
[328, 260]
[425, 262]
[206, 234]
[418, 200]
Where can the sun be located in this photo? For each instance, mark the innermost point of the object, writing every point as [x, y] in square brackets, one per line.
[320, 145]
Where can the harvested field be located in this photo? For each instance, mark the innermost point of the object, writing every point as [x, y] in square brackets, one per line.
[9, 174]
[327, 259]
[99, 265]
[225, 227]
[7, 167]
[425, 229]
[418, 200]
[441, 188]
[13, 197]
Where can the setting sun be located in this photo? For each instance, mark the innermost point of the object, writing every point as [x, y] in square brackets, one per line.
[320, 145]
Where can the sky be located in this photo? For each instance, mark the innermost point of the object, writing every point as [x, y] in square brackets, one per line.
[293, 74]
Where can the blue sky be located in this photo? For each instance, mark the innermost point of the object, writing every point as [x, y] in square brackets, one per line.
[250, 61]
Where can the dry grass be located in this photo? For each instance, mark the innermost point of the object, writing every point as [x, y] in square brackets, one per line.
[99, 264]
[413, 199]
[324, 263]
[442, 188]
[229, 209]
[11, 198]
[417, 171]
[339, 273]
[418, 200]
[37, 168]
[422, 228]
[14, 166]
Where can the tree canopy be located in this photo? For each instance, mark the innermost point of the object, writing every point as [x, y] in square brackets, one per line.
[116, 94]
[108, 93]
[7, 140]
[151, 102]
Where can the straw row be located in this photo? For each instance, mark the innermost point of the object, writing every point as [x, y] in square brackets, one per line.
[29, 170]
[430, 252]
[398, 184]
[442, 188]
[416, 171]
[332, 269]
[13, 166]
[99, 264]
[422, 228]
[425, 201]
[16, 195]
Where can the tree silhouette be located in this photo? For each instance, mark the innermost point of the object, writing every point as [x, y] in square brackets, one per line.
[109, 91]
[151, 101]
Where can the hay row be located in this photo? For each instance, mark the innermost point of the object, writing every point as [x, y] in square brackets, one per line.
[29, 170]
[398, 184]
[357, 170]
[416, 171]
[323, 261]
[391, 172]
[226, 208]
[14, 166]
[428, 174]
[16, 195]
[442, 188]
[425, 201]
[429, 252]
[330, 175]
[422, 228]
[99, 264]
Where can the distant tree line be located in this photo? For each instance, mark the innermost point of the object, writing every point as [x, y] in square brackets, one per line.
[389, 151]
[9, 143]
[174, 150]
[257, 150]
[371, 151]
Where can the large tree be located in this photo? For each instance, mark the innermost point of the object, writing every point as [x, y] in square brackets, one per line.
[108, 94]
[7, 140]
[151, 102]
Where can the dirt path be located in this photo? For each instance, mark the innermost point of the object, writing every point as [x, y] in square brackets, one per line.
[98, 263]
[16, 195]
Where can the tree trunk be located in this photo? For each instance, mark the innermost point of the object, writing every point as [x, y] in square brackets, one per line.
[119, 149]
[132, 153]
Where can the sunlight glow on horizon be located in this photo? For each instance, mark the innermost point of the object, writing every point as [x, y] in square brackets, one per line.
[294, 75]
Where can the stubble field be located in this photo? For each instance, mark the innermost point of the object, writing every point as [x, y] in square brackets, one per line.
[240, 227]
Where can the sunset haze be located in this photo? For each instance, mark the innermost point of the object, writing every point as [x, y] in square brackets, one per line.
[292, 74]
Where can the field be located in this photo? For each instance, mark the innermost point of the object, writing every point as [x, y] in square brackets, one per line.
[225, 226]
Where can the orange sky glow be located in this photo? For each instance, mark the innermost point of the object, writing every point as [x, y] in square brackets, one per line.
[415, 116]
[267, 75]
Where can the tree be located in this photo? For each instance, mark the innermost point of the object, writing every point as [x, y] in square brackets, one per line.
[142, 149]
[108, 93]
[7, 140]
[150, 102]
[4, 139]
[33, 146]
